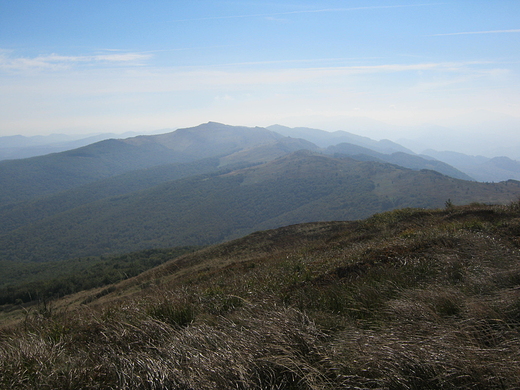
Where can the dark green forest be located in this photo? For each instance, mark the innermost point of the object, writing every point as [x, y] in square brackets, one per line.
[28, 282]
[17, 214]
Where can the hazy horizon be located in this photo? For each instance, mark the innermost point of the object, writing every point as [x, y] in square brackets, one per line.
[432, 71]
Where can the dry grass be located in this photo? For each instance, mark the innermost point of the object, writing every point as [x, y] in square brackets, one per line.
[126, 349]
[410, 299]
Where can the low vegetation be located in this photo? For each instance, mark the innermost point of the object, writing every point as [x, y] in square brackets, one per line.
[407, 299]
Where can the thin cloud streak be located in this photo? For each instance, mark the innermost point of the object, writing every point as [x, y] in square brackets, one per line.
[477, 32]
[205, 79]
[160, 80]
[304, 12]
[156, 97]
[102, 91]
[291, 74]
[293, 61]
[59, 62]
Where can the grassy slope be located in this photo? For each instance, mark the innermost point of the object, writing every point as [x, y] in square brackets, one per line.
[409, 299]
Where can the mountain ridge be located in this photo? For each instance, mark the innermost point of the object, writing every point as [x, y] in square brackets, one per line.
[325, 139]
[44, 175]
[158, 145]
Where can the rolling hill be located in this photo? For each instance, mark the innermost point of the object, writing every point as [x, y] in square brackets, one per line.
[31, 178]
[325, 139]
[119, 196]
[398, 158]
[454, 164]
[293, 288]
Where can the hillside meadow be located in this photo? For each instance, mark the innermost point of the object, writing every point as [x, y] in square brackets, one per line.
[407, 299]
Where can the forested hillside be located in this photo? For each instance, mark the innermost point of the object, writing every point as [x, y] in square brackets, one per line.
[325, 139]
[399, 158]
[20, 214]
[211, 208]
[26, 283]
[33, 177]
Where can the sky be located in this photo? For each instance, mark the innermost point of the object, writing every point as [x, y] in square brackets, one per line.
[383, 68]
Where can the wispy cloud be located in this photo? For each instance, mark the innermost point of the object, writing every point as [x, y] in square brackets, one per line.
[294, 61]
[155, 80]
[60, 62]
[314, 67]
[322, 10]
[477, 32]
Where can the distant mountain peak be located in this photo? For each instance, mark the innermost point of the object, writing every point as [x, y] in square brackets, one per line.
[325, 139]
[211, 139]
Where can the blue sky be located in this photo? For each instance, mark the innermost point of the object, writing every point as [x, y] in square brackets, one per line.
[115, 66]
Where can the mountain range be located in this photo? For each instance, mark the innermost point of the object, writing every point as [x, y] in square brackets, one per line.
[480, 168]
[208, 184]
[455, 164]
